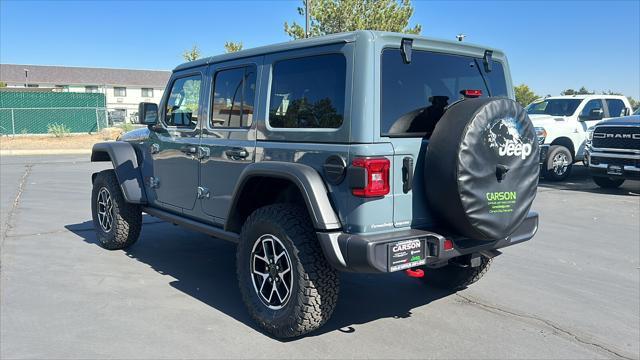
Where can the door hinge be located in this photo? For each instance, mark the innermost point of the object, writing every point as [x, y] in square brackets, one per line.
[203, 192]
[154, 182]
[203, 152]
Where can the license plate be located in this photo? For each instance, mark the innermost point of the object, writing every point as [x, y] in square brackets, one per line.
[614, 170]
[406, 254]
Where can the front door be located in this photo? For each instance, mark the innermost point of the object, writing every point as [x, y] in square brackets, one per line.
[173, 180]
[228, 134]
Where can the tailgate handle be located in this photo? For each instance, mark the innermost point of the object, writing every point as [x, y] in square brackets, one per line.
[407, 174]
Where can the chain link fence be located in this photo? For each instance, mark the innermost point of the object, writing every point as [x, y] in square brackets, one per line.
[34, 113]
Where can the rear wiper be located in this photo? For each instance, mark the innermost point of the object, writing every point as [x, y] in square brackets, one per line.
[484, 79]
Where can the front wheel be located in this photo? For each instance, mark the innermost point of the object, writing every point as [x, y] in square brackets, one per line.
[559, 163]
[117, 223]
[286, 283]
[607, 183]
[454, 276]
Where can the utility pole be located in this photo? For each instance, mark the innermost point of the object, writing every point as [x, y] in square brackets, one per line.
[307, 8]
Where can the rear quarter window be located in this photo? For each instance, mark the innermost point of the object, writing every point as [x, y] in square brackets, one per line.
[414, 96]
[308, 92]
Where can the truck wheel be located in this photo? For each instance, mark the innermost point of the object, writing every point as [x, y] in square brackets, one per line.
[455, 276]
[559, 163]
[607, 183]
[287, 285]
[117, 222]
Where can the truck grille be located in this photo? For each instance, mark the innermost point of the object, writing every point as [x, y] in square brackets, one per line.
[617, 137]
[597, 160]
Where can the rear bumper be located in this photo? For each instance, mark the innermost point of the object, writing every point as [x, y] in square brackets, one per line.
[369, 253]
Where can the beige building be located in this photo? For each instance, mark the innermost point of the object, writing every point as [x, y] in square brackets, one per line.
[124, 88]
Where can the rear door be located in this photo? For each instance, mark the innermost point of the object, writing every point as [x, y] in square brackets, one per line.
[414, 97]
[229, 132]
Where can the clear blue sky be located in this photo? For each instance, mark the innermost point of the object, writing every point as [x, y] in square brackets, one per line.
[552, 45]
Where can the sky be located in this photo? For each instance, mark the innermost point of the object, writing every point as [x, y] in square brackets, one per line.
[551, 45]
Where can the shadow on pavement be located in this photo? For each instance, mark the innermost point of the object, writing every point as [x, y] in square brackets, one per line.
[205, 269]
[580, 180]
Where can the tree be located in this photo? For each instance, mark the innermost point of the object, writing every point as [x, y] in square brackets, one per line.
[3, 84]
[334, 16]
[568, 92]
[191, 54]
[524, 95]
[582, 91]
[231, 46]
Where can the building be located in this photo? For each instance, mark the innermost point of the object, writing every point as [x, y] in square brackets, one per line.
[124, 89]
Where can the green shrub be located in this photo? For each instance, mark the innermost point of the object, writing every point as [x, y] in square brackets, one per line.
[58, 130]
[126, 127]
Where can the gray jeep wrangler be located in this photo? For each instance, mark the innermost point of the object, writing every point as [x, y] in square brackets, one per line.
[365, 151]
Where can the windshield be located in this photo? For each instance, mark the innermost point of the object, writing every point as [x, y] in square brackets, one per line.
[637, 112]
[414, 96]
[555, 107]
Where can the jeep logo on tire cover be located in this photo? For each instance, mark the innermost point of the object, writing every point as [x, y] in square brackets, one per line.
[504, 137]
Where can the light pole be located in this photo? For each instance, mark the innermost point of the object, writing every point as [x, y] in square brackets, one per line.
[461, 37]
[307, 8]
[26, 77]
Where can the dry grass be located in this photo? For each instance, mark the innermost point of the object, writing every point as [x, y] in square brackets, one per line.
[51, 142]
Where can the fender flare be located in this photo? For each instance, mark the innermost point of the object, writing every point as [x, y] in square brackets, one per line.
[308, 181]
[125, 163]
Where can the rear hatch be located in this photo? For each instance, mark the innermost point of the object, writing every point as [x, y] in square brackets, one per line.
[413, 98]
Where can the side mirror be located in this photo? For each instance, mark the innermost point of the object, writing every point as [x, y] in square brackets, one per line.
[148, 113]
[594, 114]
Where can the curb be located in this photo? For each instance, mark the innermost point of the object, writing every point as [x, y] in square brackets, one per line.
[45, 152]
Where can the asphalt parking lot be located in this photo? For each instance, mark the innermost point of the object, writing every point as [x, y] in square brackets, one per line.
[571, 292]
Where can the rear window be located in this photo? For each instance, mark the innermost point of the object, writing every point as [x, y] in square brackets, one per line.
[308, 92]
[414, 96]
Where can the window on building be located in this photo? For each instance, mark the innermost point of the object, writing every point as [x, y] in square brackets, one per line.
[91, 89]
[616, 107]
[120, 91]
[147, 92]
[183, 103]
[233, 97]
[308, 92]
[33, 85]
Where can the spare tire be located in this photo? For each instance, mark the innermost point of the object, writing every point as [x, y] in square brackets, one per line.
[481, 168]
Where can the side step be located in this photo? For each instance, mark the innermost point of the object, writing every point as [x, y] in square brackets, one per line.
[193, 224]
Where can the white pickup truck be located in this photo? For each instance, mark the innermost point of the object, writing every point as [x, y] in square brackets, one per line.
[561, 124]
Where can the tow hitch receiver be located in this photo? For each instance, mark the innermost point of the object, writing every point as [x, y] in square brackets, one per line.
[414, 273]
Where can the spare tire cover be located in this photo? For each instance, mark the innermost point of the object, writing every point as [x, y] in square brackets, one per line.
[482, 167]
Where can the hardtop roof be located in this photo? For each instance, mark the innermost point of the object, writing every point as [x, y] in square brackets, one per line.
[346, 37]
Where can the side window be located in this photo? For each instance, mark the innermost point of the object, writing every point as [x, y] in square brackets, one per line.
[183, 102]
[308, 92]
[234, 93]
[591, 105]
[616, 107]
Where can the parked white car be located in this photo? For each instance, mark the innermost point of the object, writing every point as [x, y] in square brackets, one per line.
[561, 123]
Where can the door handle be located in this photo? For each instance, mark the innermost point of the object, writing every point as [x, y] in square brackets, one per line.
[237, 153]
[189, 149]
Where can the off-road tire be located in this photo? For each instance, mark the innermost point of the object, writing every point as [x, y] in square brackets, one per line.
[549, 171]
[315, 283]
[127, 218]
[607, 183]
[455, 277]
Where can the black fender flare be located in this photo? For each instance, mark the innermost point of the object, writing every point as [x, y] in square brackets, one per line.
[125, 163]
[308, 181]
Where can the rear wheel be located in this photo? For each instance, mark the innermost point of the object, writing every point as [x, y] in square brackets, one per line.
[287, 285]
[117, 223]
[559, 163]
[607, 183]
[455, 276]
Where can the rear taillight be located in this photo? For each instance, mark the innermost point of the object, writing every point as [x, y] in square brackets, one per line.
[376, 177]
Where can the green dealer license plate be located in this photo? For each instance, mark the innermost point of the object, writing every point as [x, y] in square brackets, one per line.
[406, 254]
